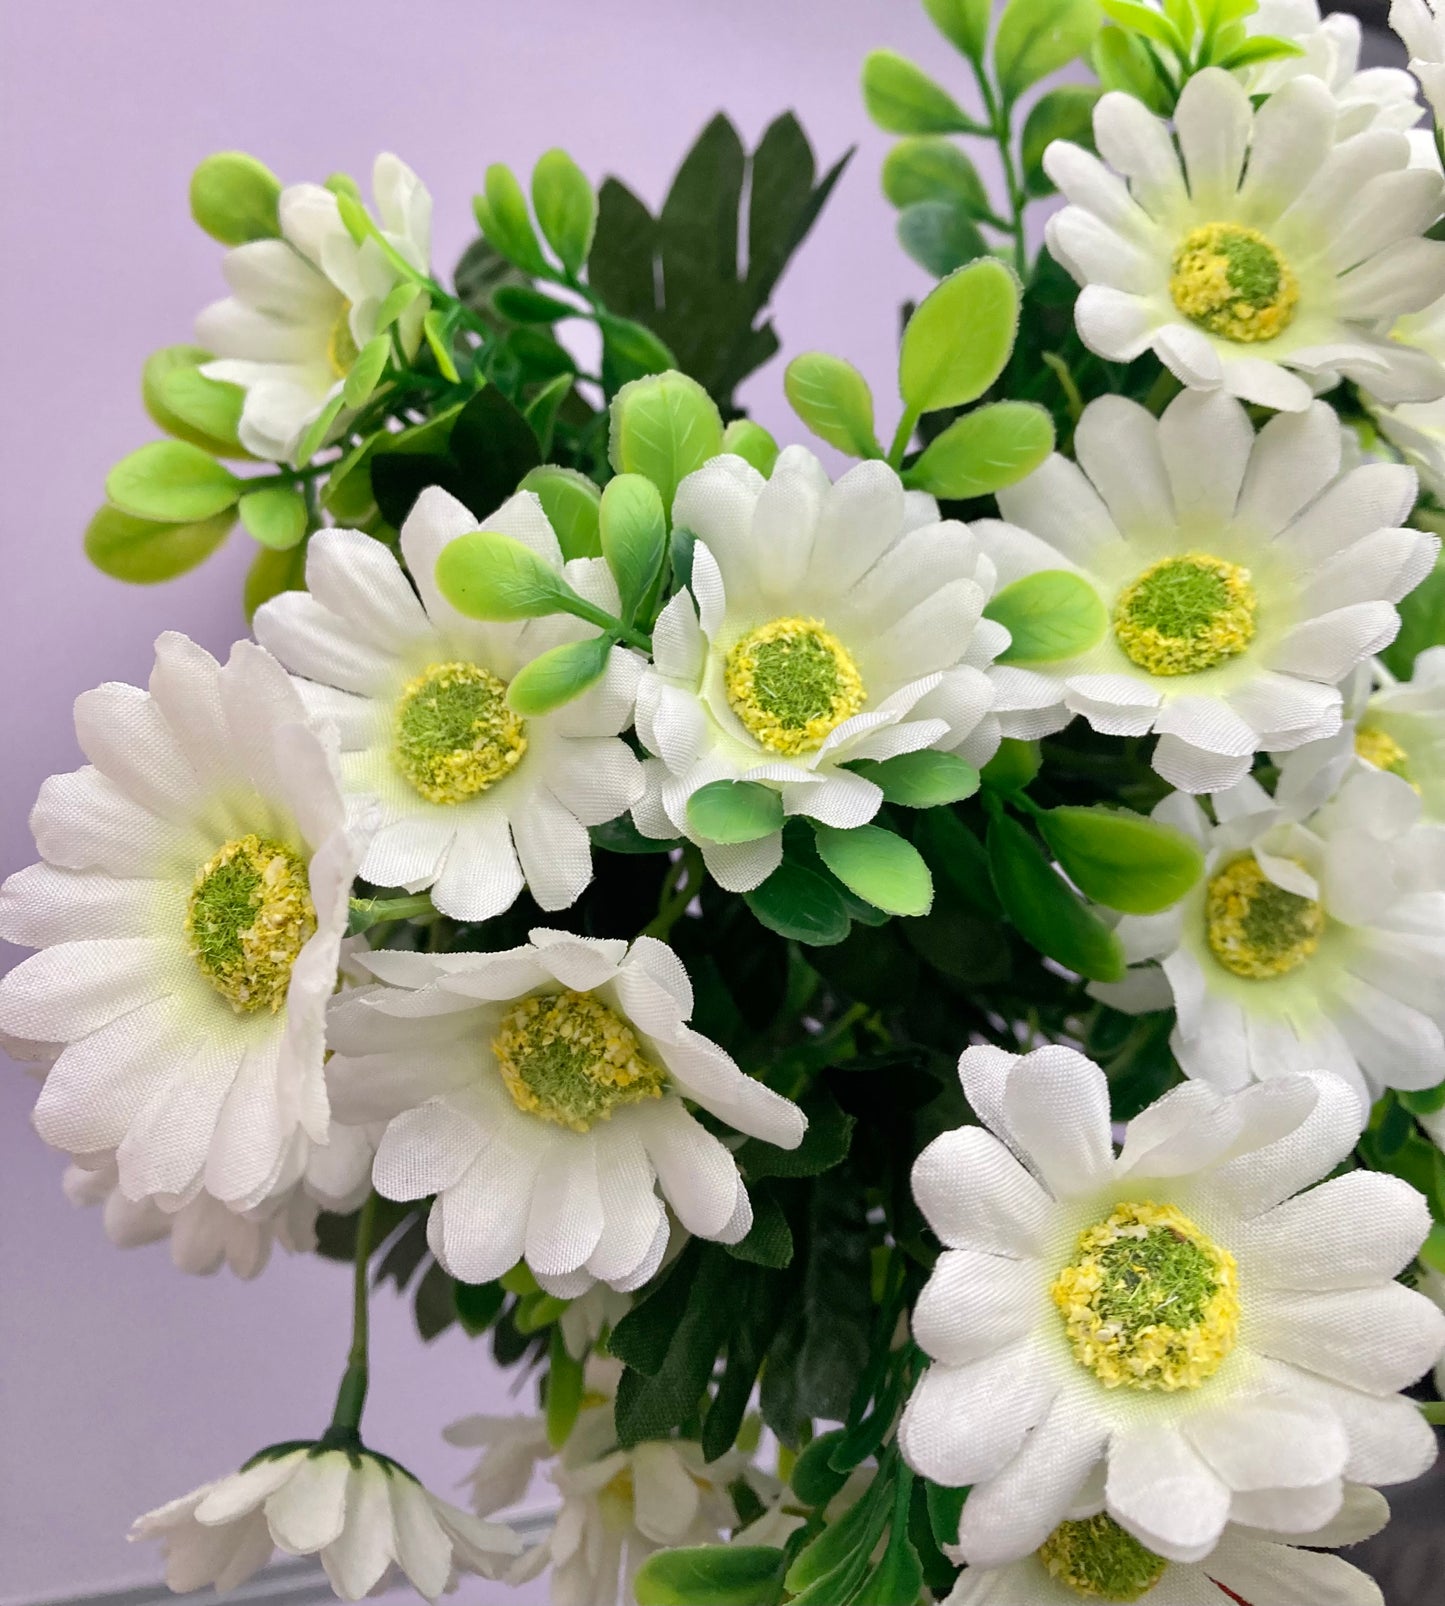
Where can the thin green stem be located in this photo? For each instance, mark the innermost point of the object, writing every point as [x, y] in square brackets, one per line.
[1000, 127]
[351, 1396]
[678, 891]
[580, 608]
[902, 436]
[368, 912]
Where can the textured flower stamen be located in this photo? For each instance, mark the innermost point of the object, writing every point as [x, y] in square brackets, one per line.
[341, 349]
[1231, 281]
[455, 734]
[249, 916]
[1096, 1558]
[568, 1058]
[792, 683]
[1255, 928]
[1379, 748]
[1149, 1301]
[1186, 614]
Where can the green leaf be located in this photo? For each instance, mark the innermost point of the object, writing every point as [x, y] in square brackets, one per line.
[735, 811]
[276, 516]
[520, 303]
[1120, 859]
[395, 303]
[631, 350]
[825, 1144]
[367, 370]
[564, 1389]
[769, 1241]
[751, 442]
[502, 215]
[318, 429]
[1262, 47]
[834, 401]
[711, 1575]
[566, 207]
[437, 332]
[800, 904]
[478, 1305]
[489, 576]
[964, 23]
[1122, 63]
[172, 481]
[1013, 767]
[933, 168]
[558, 675]
[234, 198]
[664, 427]
[572, 504]
[143, 551]
[920, 780]
[940, 236]
[958, 340]
[1051, 614]
[1423, 1101]
[903, 99]
[1422, 624]
[841, 1551]
[1064, 113]
[541, 412]
[270, 574]
[899, 1574]
[945, 1508]
[1151, 24]
[205, 412]
[985, 450]
[1044, 911]
[883, 869]
[1037, 37]
[634, 538]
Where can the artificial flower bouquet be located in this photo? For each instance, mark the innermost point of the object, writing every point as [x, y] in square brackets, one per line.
[906, 1001]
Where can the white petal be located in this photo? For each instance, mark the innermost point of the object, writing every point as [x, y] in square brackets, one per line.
[964, 1424]
[1164, 1493]
[976, 1195]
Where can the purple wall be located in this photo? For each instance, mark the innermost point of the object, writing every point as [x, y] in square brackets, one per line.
[121, 1382]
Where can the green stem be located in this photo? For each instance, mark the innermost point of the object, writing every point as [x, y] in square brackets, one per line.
[1000, 126]
[901, 438]
[580, 608]
[368, 912]
[351, 1396]
[678, 890]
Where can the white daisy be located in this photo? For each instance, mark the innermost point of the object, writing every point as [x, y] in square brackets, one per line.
[190, 906]
[1093, 1558]
[1401, 729]
[304, 305]
[538, 1093]
[1417, 429]
[1170, 1319]
[1238, 579]
[1420, 24]
[1313, 941]
[825, 623]
[360, 1511]
[466, 788]
[1273, 248]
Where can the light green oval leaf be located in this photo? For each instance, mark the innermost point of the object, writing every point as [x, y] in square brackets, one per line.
[801, 905]
[834, 401]
[711, 1575]
[1013, 767]
[1121, 62]
[558, 675]
[572, 504]
[635, 346]
[1045, 912]
[172, 481]
[881, 868]
[234, 198]
[275, 516]
[751, 442]
[933, 169]
[960, 337]
[964, 23]
[735, 811]
[564, 1389]
[1050, 615]
[903, 99]
[1120, 859]
[1037, 37]
[1064, 113]
[437, 331]
[318, 429]
[920, 780]
[217, 406]
[397, 300]
[541, 412]
[1152, 24]
[984, 450]
[143, 552]
[664, 427]
[940, 236]
[489, 576]
[366, 371]
[1262, 47]
[634, 538]
[502, 215]
[566, 207]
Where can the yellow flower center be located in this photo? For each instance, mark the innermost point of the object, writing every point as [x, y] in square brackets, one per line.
[249, 916]
[792, 683]
[455, 735]
[1255, 928]
[1379, 748]
[1186, 614]
[1096, 1558]
[341, 350]
[568, 1058]
[1231, 281]
[1149, 1301]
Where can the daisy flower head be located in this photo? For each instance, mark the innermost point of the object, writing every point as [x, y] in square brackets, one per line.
[539, 1095]
[474, 802]
[1092, 1558]
[1401, 729]
[1269, 261]
[364, 1515]
[1417, 428]
[1175, 1335]
[1422, 27]
[1313, 941]
[303, 306]
[1230, 580]
[190, 907]
[824, 623]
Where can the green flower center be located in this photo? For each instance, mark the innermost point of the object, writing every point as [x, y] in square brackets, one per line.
[249, 916]
[455, 735]
[1231, 281]
[1186, 614]
[1096, 1558]
[568, 1058]
[1149, 1301]
[1379, 748]
[1255, 928]
[341, 350]
[792, 683]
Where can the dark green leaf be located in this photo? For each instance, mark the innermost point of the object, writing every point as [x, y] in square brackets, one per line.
[825, 1144]
[711, 1575]
[801, 904]
[813, 1480]
[520, 303]
[478, 1305]
[945, 1507]
[769, 1241]
[940, 236]
[1043, 909]
[434, 1305]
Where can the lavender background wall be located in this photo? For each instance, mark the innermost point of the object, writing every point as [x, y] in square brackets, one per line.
[121, 1382]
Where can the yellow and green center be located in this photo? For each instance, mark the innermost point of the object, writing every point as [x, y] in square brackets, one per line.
[568, 1058]
[1257, 929]
[1231, 281]
[792, 683]
[1149, 1301]
[455, 735]
[1379, 748]
[249, 916]
[341, 351]
[1186, 614]
[1096, 1558]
